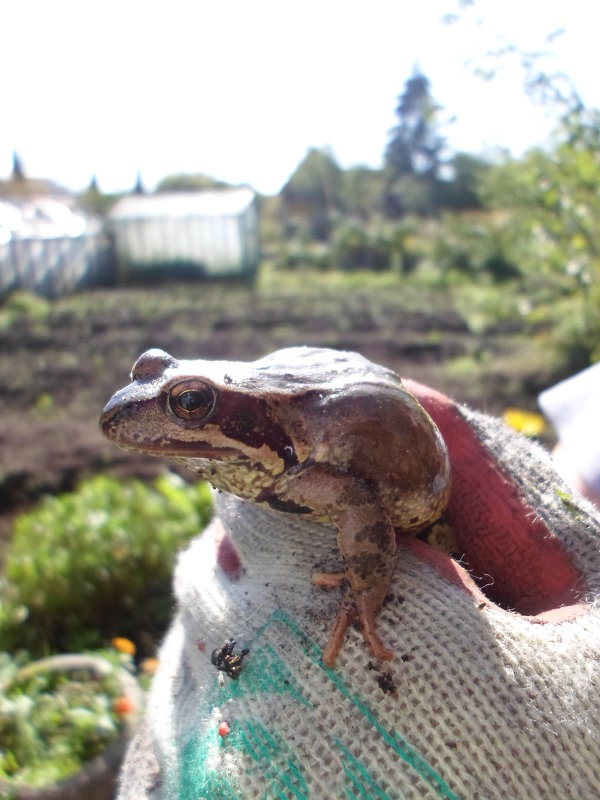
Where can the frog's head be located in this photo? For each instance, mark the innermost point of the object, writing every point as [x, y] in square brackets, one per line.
[197, 410]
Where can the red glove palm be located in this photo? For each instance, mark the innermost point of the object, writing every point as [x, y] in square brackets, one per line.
[506, 544]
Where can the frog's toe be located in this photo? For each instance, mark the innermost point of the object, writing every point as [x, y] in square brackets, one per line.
[376, 646]
[346, 613]
[328, 580]
[363, 606]
[367, 606]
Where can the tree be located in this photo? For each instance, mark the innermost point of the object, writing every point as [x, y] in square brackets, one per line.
[415, 144]
[93, 200]
[312, 194]
[462, 187]
[550, 203]
[190, 183]
[139, 186]
[18, 173]
[362, 190]
[414, 153]
[542, 82]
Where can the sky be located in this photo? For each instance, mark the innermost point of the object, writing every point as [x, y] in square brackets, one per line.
[241, 89]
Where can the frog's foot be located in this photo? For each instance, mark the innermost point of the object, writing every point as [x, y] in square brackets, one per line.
[328, 580]
[365, 606]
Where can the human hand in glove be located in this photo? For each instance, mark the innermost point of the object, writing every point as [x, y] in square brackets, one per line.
[492, 687]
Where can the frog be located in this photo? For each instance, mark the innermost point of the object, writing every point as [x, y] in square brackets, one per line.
[312, 431]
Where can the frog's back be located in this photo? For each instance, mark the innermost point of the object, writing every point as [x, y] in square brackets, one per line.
[362, 419]
[308, 368]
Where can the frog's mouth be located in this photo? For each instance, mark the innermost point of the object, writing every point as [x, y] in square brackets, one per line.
[183, 451]
[510, 556]
[129, 430]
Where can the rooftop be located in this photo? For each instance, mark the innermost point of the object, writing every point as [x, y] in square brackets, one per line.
[225, 202]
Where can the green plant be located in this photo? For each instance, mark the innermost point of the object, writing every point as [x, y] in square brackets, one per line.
[474, 246]
[57, 715]
[551, 203]
[97, 562]
[20, 307]
[355, 247]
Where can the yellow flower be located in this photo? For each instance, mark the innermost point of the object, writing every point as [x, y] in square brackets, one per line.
[149, 666]
[123, 645]
[526, 422]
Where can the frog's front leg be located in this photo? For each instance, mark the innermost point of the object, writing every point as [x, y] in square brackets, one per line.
[367, 543]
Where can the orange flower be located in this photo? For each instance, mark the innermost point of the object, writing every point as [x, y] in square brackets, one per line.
[123, 645]
[149, 666]
[123, 705]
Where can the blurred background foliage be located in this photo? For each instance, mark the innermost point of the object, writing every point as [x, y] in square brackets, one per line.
[445, 219]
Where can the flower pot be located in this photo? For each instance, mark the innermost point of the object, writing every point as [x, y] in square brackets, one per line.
[96, 780]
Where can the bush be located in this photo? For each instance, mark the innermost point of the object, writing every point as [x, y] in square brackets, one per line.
[552, 204]
[475, 247]
[298, 256]
[97, 562]
[357, 248]
[21, 306]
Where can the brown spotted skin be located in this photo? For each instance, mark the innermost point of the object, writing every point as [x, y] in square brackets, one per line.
[311, 431]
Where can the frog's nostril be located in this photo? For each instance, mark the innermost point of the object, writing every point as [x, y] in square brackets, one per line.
[151, 365]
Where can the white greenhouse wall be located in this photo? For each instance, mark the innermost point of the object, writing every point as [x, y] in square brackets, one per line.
[47, 248]
[214, 232]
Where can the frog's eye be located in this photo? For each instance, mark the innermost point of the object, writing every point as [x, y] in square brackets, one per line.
[192, 401]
